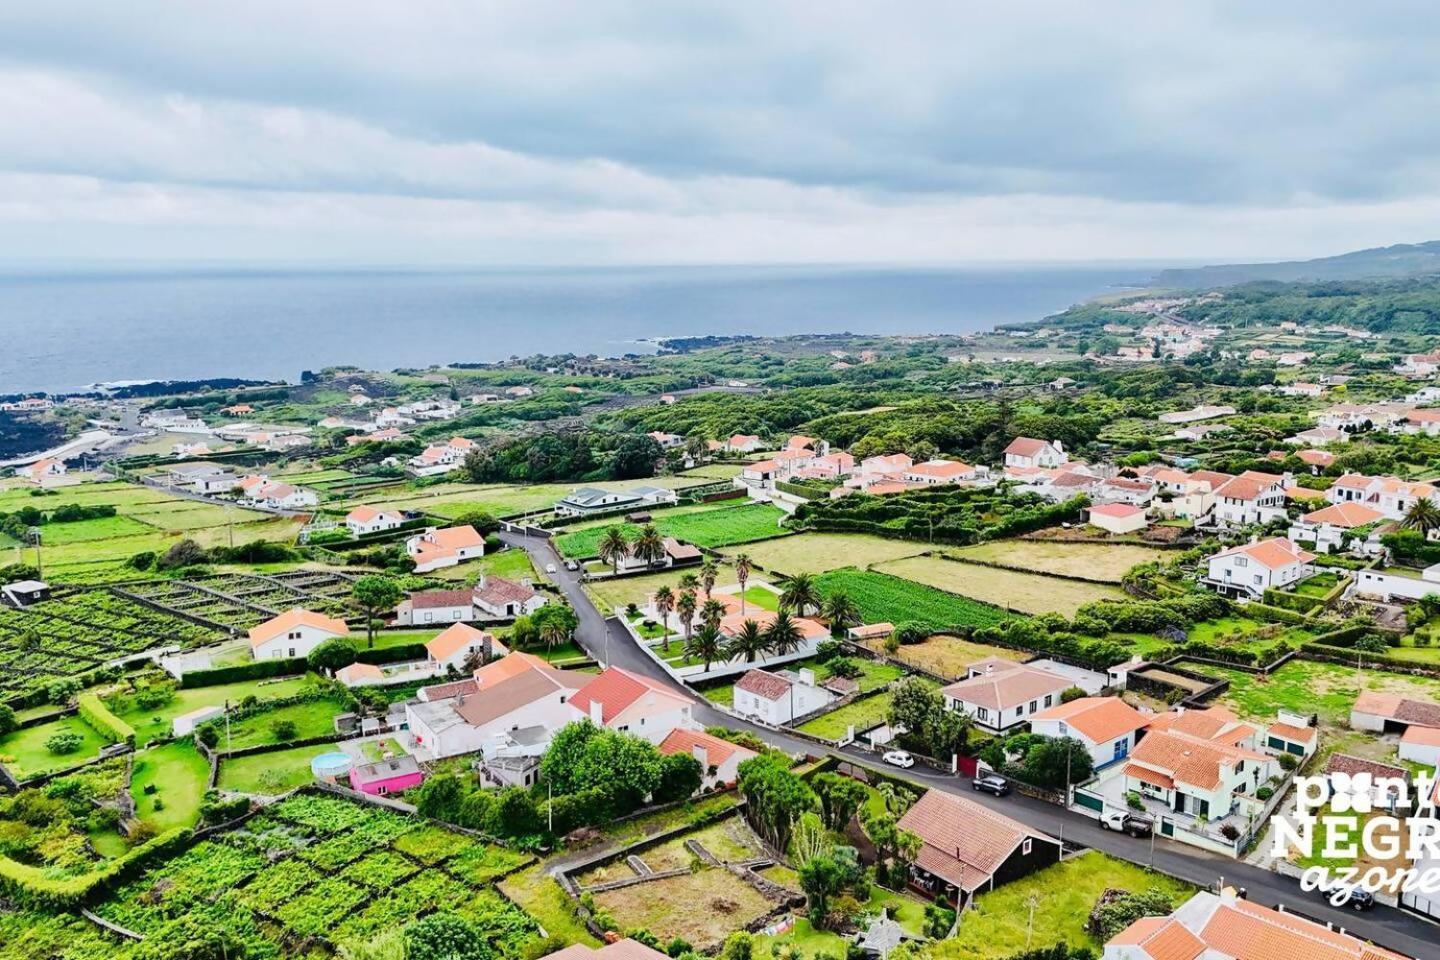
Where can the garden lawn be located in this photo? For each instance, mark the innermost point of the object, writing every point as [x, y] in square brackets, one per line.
[312, 719]
[1239, 631]
[714, 527]
[819, 552]
[1022, 592]
[1093, 561]
[1063, 896]
[25, 754]
[273, 773]
[180, 776]
[884, 598]
[947, 656]
[864, 714]
[615, 594]
[155, 724]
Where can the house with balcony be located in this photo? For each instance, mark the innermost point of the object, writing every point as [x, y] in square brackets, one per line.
[1247, 571]
[1340, 527]
[1250, 498]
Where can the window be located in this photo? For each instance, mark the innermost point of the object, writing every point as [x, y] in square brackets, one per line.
[429, 616]
[1242, 562]
[1049, 699]
[1025, 847]
[1033, 704]
[982, 713]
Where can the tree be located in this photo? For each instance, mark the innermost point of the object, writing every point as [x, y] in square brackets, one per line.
[783, 635]
[1046, 763]
[524, 634]
[625, 766]
[800, 594]
[440, 797]
[446, 936]
[664, 603]
[373, 594]
[742, 576]
[649, 546]
[1370, 643]
[332, 655]
[686, 606]
[840, 798]
[483, 521]
[556, 623]
[841, 611]
[562, 758]
[8, 722]
[64, 690]
[774, 798]
[1423, 516]
[284, 730]
[748, 642]
[186, 553]
[821, 878]
[712, 612]
[706, 644]
[613, 547]
[810, 839]
[635, 456]
[680, 777]
[709, 573]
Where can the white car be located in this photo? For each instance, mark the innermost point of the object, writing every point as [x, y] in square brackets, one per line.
[549, 568]
[899, 758]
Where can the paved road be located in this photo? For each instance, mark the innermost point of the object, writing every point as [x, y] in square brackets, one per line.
[608, 641]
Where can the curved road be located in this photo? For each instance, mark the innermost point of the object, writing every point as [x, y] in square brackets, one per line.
[608, 641]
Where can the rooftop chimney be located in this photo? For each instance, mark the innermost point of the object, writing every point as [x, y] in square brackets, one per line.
[597, 713]
[701, 755]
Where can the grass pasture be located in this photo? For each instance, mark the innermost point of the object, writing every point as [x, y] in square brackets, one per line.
[1093, 561]
[1022, 592]
[1304, 686]
[713, 527]
[821, 552]
[702, 907]
[882, 597]
[946, 655]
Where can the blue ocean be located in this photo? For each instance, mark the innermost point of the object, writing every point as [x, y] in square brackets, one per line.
[64, 330]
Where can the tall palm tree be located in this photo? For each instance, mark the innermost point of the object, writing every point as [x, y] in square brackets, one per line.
[742, 574]
[712, 612]
[709, 573]
[841, 611]
[748, 642]
[1424, 516]
[664, 603]
[783, 635]
[685, 605]
[800, 594]
[614, 547]
[688, 582]
[705, 645]
[648, 545]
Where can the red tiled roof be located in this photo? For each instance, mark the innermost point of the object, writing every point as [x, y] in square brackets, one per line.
[431, 599]
[498, 591]
[963, 842]
[616, 690]
[291, 619]
[1025, 446]
[766, 686]
[717, 751]
[1098, 719]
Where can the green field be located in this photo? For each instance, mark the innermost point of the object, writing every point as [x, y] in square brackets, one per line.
[25, 753]
[883, 598]
[1062, 897]
[713, 527]
[819, 552]
[1093, 561]
[1022, 592]
[862, 714]
[1304, 686]
[947, 656]
[272, 773]
[313, 718]
[155, 724]
[179, 775]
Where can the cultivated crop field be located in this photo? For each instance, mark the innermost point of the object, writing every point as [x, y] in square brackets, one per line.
[1023, 592]
[715, 527]
[819, 552]
[884, 598]
[450, 500]
[1093, 561]
[318, 870]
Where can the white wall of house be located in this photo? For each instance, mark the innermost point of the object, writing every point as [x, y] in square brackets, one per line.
[1386, 586]
[375, 525]
[1102, 752]
[293, 643]
[551, 711]
[644, 722]
[802, 699]
[1246, 573]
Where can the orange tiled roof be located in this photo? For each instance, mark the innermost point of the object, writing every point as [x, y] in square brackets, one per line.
[291, 619]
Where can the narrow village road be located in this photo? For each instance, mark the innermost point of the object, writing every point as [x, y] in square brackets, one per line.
[608, 641]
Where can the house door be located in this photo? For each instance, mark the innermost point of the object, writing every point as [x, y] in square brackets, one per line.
[1122, 748]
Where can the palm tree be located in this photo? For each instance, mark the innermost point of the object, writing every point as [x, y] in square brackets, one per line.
[712, 612]
[742, 574]
[705, 645]
[800, 594]
[688, 582]
[649, 546]
[614, 547]
[685, 605]
[841, 611]
[783, 635]
[664, 603]
[709, 573]
[1424, 516]
[749, 642]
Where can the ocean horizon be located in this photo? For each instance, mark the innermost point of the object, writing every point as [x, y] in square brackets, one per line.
[66, 329]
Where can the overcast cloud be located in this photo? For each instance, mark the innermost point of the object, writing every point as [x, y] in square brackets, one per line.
[692, 132]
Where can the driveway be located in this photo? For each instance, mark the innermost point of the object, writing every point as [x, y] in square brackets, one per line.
[604, 638]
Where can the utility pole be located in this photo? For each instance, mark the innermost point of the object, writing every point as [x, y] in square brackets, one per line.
[36, 536]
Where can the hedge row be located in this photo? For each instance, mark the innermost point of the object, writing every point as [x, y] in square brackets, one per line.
[1295, 602]
[259, 670]
[1264, 611]
[110, 727]
[35, 886]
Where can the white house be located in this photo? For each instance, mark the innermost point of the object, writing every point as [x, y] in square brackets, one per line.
[185, 724]
[588, 501]
[1199, 763]
[1108, 726]
[445, 547]
[635, 704]
[504, 598]
[779, 697]
[937, 472]
[1252, 568]
[1029, 452]
[1196, 414]
[1001, 695]
[1118, 518]
[743, 443]
[435, 606]
[294, 634]
[667, 441]
[1252, 497]
[1420, 745]
[457, 644]
[42, 470]
[719, 759]
[365, 520]
[1329, 527]
[360, 675]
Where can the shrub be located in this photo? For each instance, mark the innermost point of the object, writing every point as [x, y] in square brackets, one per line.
[284, 730]
[845, 667]
[8, 722]
[1071, 693]
[61, 691]
[1288, 762]
[110, 727]
[1264, 793]
[62, 744]
[1133, 801]
[1230, 832]
[332, 655]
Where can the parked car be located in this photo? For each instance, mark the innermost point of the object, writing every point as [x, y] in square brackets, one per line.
[899, 758]
[1123, 822]
[991, 783]
[1348, 894]
[549, 568]
[571, 565]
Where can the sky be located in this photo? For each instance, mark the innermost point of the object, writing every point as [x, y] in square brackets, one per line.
[598, 132]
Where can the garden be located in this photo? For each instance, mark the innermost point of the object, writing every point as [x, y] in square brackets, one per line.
[319, 870]
[863, 714]
[947, 656]
[1023, 592]
[884, 598]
